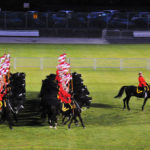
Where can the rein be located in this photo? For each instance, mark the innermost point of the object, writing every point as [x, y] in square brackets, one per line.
[77, 104]
[11, 107]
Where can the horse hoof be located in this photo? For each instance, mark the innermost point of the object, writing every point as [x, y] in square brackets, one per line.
[51, 127]
[11, 128]
[55, 127]
[84, 127]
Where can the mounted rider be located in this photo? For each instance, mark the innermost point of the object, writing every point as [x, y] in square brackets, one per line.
[143, 84]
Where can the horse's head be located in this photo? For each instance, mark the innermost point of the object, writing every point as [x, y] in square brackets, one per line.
[17, 91]
[81, 95]
[51, 76]
[87, 101]
[16, 100]
[16, 105]
[84, 100]
[49, 86]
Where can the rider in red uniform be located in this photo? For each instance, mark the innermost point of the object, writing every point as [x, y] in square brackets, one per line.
[142, 83]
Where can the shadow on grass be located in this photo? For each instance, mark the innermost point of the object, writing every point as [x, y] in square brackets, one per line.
[113, 115]
[98, 105]
[30, 115]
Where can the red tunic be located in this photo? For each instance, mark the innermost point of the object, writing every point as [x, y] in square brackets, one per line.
[64, 96]
[142, 81]
[1, 97]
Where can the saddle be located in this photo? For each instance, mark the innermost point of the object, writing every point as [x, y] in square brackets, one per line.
[64, 108]
[68, 106]
[1, 104]
[139, 90]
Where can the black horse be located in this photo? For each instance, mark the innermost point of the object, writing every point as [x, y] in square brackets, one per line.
[80, 99]
[132, 91]
[14, 99]
[8, 113]
[17, 91]
[74, 112]
[52, 106]
[49, 103]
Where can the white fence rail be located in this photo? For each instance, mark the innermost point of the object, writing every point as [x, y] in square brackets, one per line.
[121, 63]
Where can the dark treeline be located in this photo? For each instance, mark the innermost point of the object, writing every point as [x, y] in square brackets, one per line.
[76, 5]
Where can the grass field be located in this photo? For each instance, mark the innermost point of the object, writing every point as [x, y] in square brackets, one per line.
[108, 126]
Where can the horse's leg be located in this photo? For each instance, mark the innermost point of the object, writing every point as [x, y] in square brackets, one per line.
[43, 113]
[127, 101]
[3, 115]
[124, 102]
[76, 122]
[56, 122]
[73, 117]
[50, 120]
[2, 119]
[63, 119]
[54, 116]
[144, 103]
[50, 123]
[67, 120]
[8, 118]
[53, 120]
[15, 117]
[79, 115]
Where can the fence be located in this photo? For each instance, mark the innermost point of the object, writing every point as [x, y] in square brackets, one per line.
[121, 63]
[117, 33]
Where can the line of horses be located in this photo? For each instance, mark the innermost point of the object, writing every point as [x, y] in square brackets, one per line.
[50, 106]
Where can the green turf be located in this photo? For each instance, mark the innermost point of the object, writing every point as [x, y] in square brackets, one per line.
[86, 51]
[108, 127]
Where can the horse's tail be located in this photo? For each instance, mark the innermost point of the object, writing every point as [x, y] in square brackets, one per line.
[120, 92]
